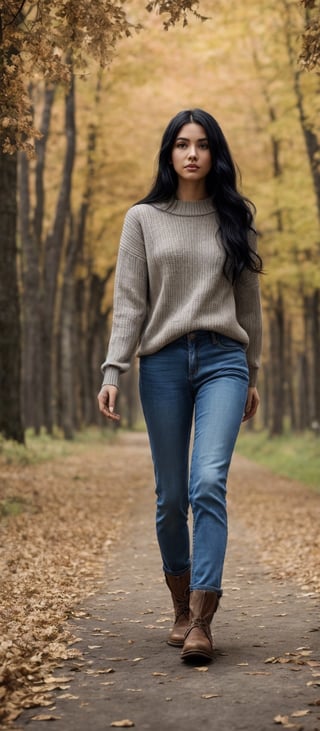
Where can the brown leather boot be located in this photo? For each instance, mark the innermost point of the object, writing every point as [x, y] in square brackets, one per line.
[180, 591]
[198, 639]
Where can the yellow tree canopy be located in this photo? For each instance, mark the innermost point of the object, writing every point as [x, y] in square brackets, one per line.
[38, 38]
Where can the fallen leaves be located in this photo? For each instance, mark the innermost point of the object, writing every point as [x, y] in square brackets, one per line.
[51, 562]
[286, 722]
[51, 556]
[297, 658]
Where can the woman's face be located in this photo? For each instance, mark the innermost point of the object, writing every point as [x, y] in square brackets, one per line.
[191, 157]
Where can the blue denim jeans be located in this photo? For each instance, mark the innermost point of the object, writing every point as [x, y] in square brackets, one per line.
[205, 375]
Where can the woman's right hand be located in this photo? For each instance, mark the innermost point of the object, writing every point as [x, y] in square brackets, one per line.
[107, 400]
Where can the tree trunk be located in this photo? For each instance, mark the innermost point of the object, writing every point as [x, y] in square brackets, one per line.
[41, 148]
[53, 253]
[315, 335]
[98, 356]
[311, 139]
[31, 243]
[31, 372]
[307, 364]
[67, 338]
[80, 350]
[70, 338]
[11, 423]
[95, 338]
[278, 366]
[71, 323]
[10, 330]
[290, 384]
[266, 398]
[303, 393]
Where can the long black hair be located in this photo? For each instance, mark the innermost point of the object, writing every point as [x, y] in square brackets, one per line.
[234, 210]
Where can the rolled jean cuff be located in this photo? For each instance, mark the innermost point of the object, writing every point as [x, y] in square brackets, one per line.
[212, 589]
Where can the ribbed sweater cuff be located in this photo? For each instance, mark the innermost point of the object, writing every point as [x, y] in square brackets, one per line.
[111, 376]
[253, 376]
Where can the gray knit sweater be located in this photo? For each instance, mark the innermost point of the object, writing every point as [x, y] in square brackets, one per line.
[169, 281]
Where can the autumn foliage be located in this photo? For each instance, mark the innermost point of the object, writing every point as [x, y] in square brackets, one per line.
[90, 96]
[310, 54]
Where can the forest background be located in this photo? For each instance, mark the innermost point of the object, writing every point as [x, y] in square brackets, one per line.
[255, 67]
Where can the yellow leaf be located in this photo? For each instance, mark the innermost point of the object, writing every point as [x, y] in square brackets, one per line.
[108, 682]
[45, 717]
[202, 669]
[100, 672]
[125, 723]
[57, 681]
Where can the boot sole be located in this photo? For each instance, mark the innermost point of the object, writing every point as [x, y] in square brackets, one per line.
[193, 655]
[175, 644]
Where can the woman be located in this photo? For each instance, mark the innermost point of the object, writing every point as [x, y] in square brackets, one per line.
[187, 294]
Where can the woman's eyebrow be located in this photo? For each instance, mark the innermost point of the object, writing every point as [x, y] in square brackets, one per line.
[186, 139]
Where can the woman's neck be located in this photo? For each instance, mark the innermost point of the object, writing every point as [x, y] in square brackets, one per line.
[191, 191]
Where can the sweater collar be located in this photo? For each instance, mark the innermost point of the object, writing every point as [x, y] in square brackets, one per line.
[186, 208]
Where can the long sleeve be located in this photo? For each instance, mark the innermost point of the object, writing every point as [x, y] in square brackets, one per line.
[130, 301]
[249, 316]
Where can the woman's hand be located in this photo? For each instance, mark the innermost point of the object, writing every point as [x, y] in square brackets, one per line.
[252, 403]
[107, 400]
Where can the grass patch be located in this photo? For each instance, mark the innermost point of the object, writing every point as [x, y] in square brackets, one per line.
[45, 448]
[12, 506]
[292, 455]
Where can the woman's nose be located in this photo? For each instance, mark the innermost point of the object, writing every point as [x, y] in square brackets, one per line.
[192, 153]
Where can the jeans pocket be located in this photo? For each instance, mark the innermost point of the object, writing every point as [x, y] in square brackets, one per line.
[226, 343]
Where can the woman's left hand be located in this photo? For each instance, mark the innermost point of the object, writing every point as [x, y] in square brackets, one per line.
[252, 403]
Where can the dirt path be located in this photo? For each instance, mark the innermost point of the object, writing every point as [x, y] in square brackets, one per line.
[267, 631]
